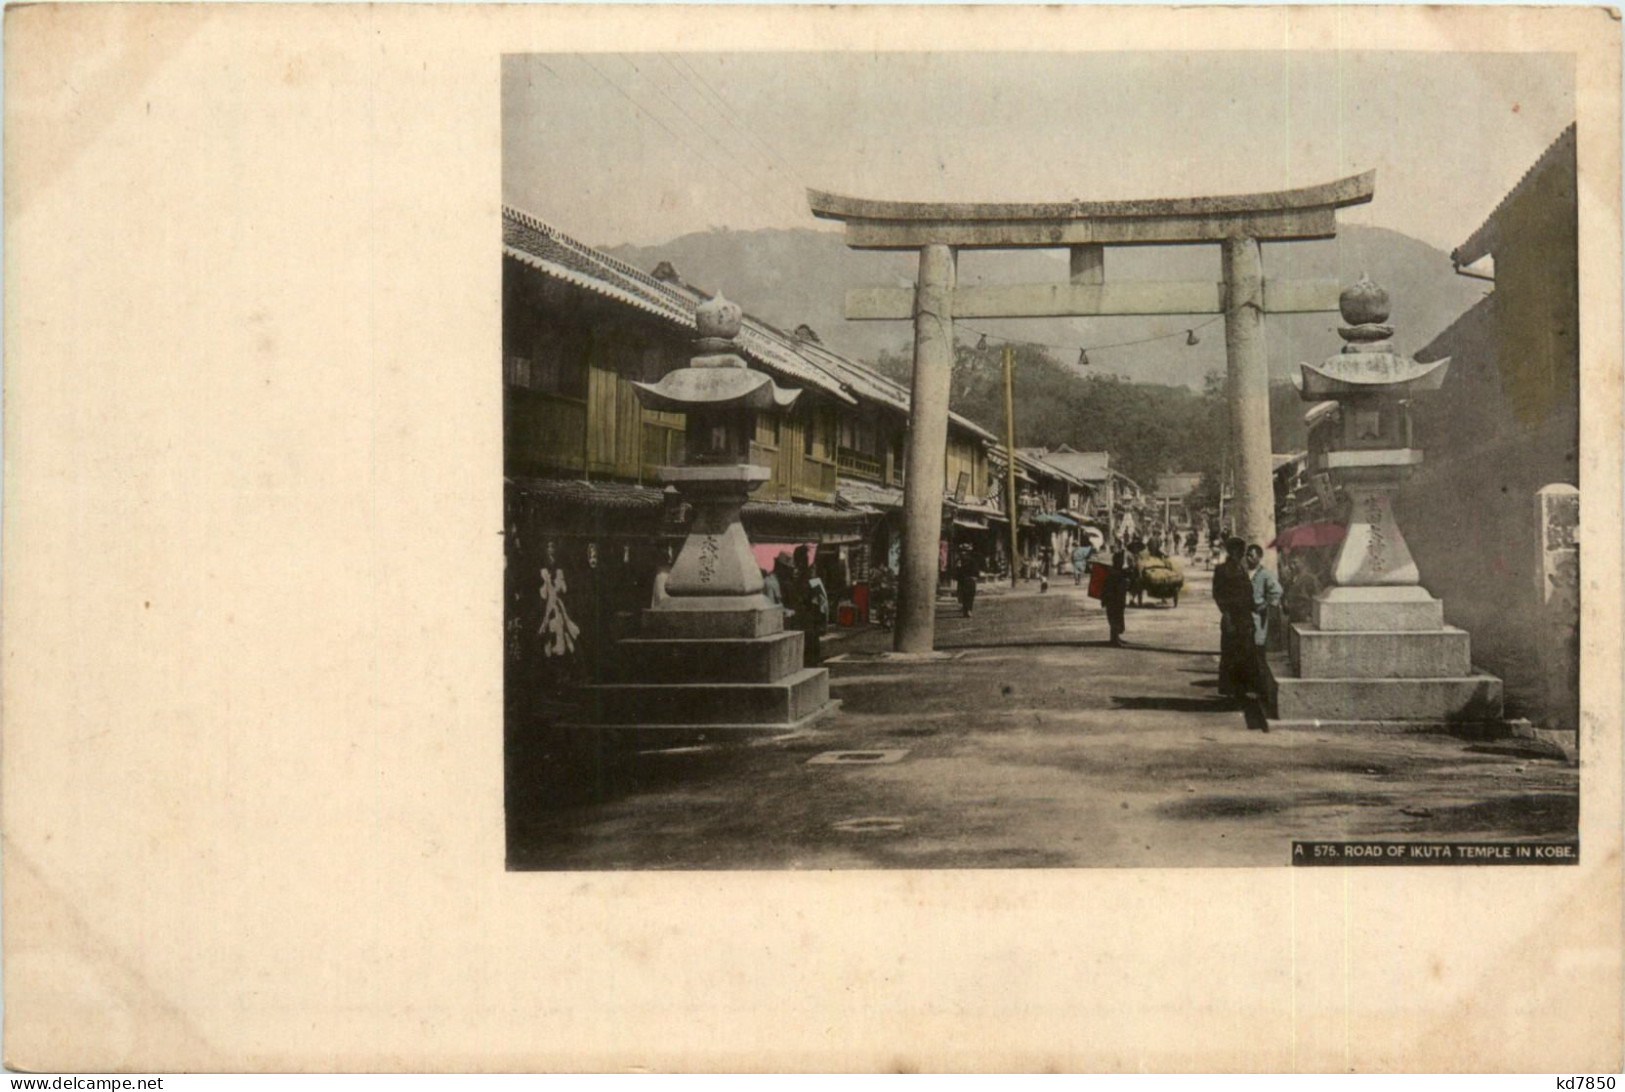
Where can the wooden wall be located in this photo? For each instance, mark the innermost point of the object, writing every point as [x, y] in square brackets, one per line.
[592, 361]
[780, 444]
[965, 455]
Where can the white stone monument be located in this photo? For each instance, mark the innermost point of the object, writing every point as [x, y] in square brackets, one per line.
[1557, 518]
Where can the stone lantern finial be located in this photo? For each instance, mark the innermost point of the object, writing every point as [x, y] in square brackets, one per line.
[719, 317]
[718, 320]
[1364, 305]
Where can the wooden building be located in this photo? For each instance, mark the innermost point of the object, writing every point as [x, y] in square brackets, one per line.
[588, 522]
[1505, 425]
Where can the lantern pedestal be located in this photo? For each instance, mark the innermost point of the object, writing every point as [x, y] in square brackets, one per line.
[1379, 652]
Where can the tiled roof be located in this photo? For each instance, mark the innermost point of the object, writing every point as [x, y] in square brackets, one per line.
[549, 251]
[1177, 484]
[1048, 469]
[1560, 154]
[1086, 466]
[869, 494]
[592, 494]
[871, 384]
[798, 511]
[542, 247]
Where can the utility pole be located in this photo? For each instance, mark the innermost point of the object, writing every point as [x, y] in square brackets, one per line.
[1011, 508]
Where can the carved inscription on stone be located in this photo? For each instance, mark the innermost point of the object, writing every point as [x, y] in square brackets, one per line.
[1376, 544]
[710, 549]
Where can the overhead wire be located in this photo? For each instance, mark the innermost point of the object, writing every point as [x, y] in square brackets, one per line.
[698, 125]
[766, 154]
[721, 170]
[735, 124]
[730, 112]
[1186, 332]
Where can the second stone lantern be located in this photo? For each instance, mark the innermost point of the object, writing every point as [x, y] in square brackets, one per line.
[1377, 648]
[714, 659]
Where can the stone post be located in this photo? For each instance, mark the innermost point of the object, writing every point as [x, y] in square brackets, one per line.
[927, 449]
[1247, 369]
[1557, 520]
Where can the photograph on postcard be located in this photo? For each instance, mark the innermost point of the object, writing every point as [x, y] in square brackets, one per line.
[950, 460]
[983, 538]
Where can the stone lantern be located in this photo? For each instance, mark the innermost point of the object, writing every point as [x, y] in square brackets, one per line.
[714, 657]
[720, 396]
[1378, 648]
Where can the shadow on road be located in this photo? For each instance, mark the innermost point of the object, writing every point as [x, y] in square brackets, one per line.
[1130, 646]
[1256, 722]
[1177, 705]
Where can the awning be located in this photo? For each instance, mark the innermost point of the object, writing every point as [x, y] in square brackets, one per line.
[591, 495]
[870, 495]
[1308, 536]
[1054, 519]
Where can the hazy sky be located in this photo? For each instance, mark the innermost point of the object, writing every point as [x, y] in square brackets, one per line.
[641, 148]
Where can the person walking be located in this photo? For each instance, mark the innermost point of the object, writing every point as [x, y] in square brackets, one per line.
[1114, 595]
[1233, 595]
[1266, 600]
[1081, 553]
[776, 582]
[966, 570]
[1131, 570]
[809, 603]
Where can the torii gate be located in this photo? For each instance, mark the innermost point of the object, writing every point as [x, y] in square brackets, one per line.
[1237, 223]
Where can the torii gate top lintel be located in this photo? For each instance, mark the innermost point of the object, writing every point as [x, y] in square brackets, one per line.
[1238, 223]
[1308, 212]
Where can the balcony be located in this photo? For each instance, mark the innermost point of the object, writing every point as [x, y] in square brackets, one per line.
[855, 464]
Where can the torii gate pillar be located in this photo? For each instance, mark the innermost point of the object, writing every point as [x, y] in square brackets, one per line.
[1248, 375]
[927, 449]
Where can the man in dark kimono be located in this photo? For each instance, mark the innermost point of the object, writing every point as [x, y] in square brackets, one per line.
[1114, 595]
[966, 571]
[1233, 595]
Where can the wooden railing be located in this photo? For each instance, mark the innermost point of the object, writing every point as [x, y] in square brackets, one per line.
[858, 465]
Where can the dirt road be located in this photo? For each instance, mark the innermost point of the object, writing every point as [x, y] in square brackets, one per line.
[1035, 744]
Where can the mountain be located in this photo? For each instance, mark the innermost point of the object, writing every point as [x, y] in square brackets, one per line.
[790, 277]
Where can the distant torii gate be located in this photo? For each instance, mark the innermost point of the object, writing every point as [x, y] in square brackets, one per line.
[938, 231]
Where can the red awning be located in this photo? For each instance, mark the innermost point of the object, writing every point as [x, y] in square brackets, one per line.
[1307, 536]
